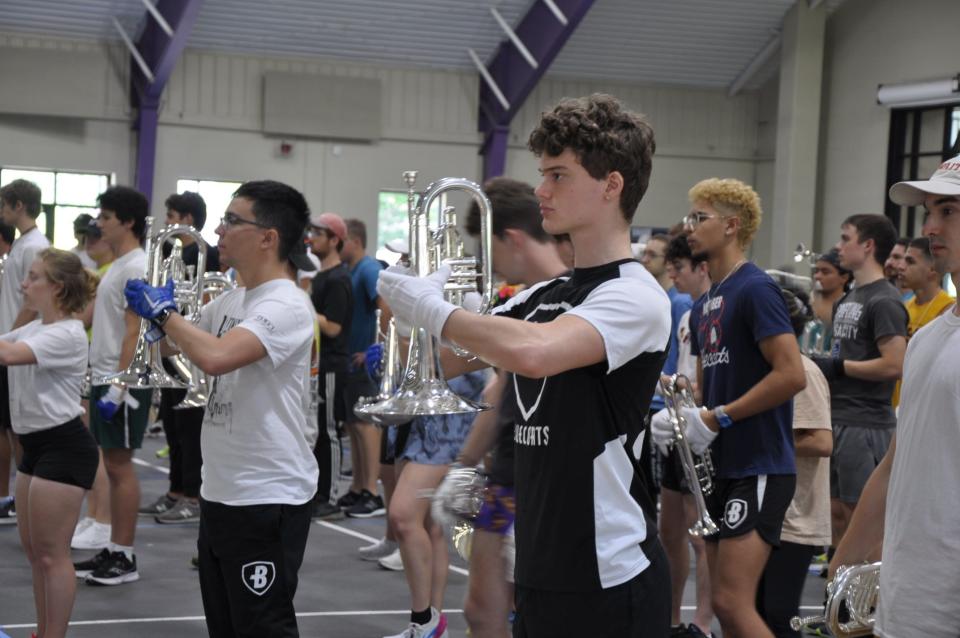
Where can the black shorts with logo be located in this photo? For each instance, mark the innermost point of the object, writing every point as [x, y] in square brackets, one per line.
[759, 503]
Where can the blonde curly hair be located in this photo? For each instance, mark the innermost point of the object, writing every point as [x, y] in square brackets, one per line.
[731, 197]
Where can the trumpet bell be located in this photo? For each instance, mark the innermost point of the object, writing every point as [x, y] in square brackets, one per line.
[416, 398]
[140, 376]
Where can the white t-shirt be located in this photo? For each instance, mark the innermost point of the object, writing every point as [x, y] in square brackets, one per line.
[85, 260]
[254, 435]
[807, 521]
[920, 577]
[109, 310]
[22, 254]
[686, 362]
[47, 394]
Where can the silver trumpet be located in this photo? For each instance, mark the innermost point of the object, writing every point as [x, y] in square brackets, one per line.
[423, 390]
[856, 589]
[698, 470]
[146, 368]
[390, 368]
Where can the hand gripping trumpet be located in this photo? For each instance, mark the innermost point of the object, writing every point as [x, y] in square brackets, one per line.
[851, 604]
[423, 390]
[698, 470]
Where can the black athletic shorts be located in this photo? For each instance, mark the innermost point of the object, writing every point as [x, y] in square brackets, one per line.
[673, 477]
[65, 453]
[638, 608]
[740, 505]
[5, 423]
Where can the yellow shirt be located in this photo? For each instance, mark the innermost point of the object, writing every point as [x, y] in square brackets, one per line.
[921, 315]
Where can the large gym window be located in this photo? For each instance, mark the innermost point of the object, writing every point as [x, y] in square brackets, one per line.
[393, 220]
[64, 195]
[216, 195]
[920, 139]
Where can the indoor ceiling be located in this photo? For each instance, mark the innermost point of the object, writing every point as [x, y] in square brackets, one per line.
[702, 43]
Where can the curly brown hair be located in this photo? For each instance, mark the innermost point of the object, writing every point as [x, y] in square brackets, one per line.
[605, 138]
[77, 284]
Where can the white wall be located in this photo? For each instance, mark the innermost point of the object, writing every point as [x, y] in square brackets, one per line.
[870, 42]
[210, 123]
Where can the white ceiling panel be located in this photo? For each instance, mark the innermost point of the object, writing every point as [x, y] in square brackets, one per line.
[703, 43]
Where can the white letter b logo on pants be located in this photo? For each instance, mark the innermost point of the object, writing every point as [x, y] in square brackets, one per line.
[258, 576]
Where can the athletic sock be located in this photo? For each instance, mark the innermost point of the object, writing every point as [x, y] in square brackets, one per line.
[421, 617]
[127, 551]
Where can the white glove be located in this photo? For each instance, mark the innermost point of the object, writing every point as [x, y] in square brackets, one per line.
[661, 430]
[472, 302]
[699, 436]
[418, 300]
[444, 492]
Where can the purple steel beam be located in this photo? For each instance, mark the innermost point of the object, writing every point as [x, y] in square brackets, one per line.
[161, 53]
[544, 36]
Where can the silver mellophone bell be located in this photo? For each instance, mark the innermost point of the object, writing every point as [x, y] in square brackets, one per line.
[421, 389]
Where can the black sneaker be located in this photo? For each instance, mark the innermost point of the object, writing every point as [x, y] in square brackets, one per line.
[116, 570]
[87, 567]
[326, 511]
[348, 500]
[370, 505]
[695, 632]
[159, 506]
[8, 513]
[678, 631]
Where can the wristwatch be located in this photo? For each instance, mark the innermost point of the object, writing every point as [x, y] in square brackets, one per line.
[722, 417]
[162, 317]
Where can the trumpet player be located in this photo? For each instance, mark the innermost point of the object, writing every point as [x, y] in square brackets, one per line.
[119, 418]
[750, 368]
[586, 351]
[913, 490]
[259, 473]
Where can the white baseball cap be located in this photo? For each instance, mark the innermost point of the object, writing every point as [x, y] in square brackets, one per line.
[945, 181]
[397, 246]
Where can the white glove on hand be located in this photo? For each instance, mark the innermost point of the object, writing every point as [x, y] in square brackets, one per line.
[472, 302]
[661, 430]
[418, 300]
[444, 492]
[699, 436]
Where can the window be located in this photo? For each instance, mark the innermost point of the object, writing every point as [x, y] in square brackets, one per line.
[920, 139]
[64, 195]
[216, 195]
[393, 220]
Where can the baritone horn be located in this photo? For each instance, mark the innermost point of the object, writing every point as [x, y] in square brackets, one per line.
[698, 470]
[423, 390]
[851, 606]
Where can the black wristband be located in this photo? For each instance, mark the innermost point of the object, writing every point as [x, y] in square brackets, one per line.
[838, 369]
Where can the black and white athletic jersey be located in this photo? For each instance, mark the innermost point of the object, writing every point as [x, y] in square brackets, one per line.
[583, 515]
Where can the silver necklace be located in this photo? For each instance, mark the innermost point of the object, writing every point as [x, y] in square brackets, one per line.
[716, 289]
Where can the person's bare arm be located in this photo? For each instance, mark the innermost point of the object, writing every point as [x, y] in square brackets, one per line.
[887, 367]
[237, 348]
[779, 385]
[533, 350]
[817, 443]
[863, 540]
[16, 354]
[327, 327]
[483, 432]
[131, 332]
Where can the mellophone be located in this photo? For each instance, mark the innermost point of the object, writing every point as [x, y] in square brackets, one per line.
[851, 605]
[192, 288]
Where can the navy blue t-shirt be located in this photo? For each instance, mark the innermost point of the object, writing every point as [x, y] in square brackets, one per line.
[731, 320]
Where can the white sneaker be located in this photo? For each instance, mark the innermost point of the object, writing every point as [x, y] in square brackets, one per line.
[94, 536]
[378, 550]
[436, 628]
[393, 562]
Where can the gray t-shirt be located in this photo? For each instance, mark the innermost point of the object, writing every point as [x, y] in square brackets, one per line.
[861, 317]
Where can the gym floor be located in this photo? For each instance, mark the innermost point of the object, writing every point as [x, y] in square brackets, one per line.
[339, 594]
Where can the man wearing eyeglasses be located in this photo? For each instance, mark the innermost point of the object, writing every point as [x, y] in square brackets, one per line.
[259, 472]
[750, 368]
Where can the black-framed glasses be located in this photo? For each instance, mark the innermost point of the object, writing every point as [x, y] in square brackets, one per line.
[231, 220]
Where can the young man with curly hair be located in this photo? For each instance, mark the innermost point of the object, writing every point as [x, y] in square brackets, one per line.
[750, 368]
[585, 351]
